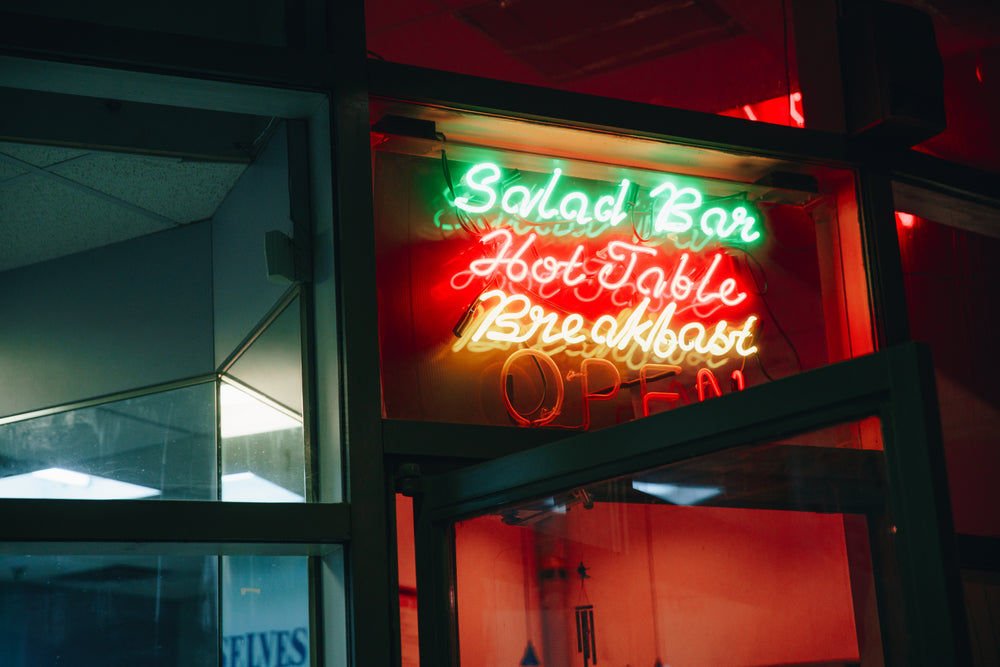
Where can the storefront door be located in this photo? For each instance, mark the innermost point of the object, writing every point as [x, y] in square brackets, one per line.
[805, 521]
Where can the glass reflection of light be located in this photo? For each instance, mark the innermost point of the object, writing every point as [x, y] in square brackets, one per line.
[63, 484]
[677, 494]
[247, 487]
[245, 414]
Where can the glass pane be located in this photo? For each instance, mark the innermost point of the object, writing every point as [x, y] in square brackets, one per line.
[159, 446]
[108, 611]
[705, 55]
[758, 555]
[582, 280]
[148, 253]
[272, 365]
[263, 457]
[950, 277]
[971, 59]
[265, 611]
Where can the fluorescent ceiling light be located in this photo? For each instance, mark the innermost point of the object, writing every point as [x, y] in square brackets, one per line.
[676, 494]
[62, 484]
[246, 487]
[245, 414]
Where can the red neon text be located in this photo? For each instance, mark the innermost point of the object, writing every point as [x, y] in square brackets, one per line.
[600, 381]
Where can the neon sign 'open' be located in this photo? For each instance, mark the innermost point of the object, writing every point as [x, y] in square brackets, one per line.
[676, 209]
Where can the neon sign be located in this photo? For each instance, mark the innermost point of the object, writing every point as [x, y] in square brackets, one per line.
[618, 269]
[615, 275]
[515, 319]
[676, 208]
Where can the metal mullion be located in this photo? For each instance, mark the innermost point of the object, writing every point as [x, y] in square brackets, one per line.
[176, 525]
[890, 319]
[367, 553]
[42, 37]
[403, 438]
[920, 506]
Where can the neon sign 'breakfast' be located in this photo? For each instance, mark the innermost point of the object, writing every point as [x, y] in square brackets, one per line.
[516, 319]
[676, 208]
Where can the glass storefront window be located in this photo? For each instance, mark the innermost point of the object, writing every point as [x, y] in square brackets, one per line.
[949, 275]
[154, 610]
[265, 611]
[750, 556]
[157, 447]
[142, 317]
[541, 276]
[111, 611]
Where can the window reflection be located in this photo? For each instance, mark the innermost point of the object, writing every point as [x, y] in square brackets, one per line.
[108, 611]
[756, 555]
[158, 446]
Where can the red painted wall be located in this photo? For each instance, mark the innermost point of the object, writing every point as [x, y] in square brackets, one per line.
[732, 587]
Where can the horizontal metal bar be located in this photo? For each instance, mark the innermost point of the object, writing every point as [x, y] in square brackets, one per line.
[833, 394]
[54, 548]
[945, 177]
[415, 84]
[976, 552]
[91, 123]
[470, 441]
[198, 525]
[169, 60]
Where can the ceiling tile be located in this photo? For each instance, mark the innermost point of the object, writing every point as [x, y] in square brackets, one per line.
[39, 155]
[8, 171]
[184, 191]
[41, 219]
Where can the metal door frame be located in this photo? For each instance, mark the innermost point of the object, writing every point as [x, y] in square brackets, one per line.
[897, 385]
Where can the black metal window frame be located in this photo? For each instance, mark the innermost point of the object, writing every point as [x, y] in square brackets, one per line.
[326, 55]
[896, 385]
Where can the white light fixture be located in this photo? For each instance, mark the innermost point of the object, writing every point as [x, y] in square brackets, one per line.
[242, 413]
[63, 484]
[246, 487]
[677, 494]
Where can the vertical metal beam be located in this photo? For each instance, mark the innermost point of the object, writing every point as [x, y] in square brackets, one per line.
[368, 568]
[437, 618]
[817, 52]
[921, 514]
[885, 268]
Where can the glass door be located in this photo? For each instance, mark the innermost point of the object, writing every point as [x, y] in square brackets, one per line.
[802, 522]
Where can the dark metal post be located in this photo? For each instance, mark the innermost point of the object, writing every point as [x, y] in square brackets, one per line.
[368, 570]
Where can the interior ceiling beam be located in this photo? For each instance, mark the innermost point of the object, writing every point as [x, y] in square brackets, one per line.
[133, 127]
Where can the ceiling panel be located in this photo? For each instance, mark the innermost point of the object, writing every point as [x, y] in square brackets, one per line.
[39, 155]
[184, 191]
[55, 201]
[42, 219]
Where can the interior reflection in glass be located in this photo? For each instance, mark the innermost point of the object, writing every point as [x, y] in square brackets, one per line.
[751, 556]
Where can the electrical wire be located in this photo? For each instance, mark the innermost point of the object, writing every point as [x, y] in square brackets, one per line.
[767, 306]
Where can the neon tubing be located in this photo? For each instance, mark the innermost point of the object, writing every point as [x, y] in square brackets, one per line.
[546, 415]
[506, 322]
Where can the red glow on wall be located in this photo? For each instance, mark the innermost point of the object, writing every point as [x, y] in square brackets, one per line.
[688, 585]
[905, 219]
